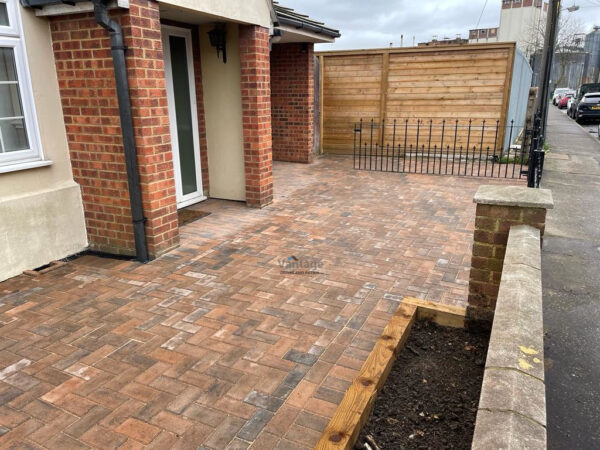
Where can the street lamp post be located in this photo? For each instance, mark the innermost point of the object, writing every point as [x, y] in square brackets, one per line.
[549, 44]
[554, 8]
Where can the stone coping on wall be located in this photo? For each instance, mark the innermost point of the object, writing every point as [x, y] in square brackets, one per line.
[512, 406]
[514, 196]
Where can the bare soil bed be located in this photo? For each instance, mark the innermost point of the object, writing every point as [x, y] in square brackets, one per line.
[430, 398]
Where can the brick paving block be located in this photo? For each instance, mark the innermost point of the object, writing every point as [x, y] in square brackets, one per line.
[163, 440]
[100, 437]
[322, 407]
[11, 418]
[91, 418]
[302, 435]
[301, 357]
[225, 432]
[285, 444]
[204, 414]
[238, 444]
[171, 422]
[138, 430]
[75, 404]
[301, 394]
[184, 399]
[65, 442]
[254, 426]
[282, 420]
[262, 400]
[231, 406]
[128, 409]
[313, 421]
[265, 440]
[318, 372]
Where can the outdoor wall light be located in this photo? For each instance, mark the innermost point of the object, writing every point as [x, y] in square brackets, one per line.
[217, 37]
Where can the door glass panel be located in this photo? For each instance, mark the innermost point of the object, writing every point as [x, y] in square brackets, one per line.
[4, 15]
[183, 113]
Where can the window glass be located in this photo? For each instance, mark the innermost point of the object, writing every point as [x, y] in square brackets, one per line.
[7, 64]
[4, 15]
[13, 132]
[14, 136]
[19, 136]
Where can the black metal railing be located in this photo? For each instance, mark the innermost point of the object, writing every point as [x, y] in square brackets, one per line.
[481, 148]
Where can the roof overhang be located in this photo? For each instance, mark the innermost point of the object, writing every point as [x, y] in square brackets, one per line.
[291, 34]
[62, 7]
[296, 27]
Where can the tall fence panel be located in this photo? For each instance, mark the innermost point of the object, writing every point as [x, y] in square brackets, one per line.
[453, 83]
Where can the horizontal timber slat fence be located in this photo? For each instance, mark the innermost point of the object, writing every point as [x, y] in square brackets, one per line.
[454, 82]
[481, 148]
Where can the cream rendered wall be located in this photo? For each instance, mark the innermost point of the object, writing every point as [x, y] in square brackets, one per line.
[223, 116]
[41, 212]
[519, 25]
[255, 12]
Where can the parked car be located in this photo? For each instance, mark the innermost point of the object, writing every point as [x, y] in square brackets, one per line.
[558, 93]
[583, 89]
[562, 103]
[588, 107]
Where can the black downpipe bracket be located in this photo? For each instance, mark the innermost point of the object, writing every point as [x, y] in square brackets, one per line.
[133, 179]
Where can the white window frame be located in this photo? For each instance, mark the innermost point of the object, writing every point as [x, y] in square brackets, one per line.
[12, 37]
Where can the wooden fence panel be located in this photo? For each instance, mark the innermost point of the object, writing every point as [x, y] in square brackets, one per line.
[452, 83]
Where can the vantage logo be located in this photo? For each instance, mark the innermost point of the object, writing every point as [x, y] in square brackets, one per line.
[300, 266]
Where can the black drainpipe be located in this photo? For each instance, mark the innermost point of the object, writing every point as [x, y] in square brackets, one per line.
[133, 179]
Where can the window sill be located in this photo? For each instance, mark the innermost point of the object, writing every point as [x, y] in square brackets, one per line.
[25, 165]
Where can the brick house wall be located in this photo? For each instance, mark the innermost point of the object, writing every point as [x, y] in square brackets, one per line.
[87, 88]
[292, 101]
[256, 114]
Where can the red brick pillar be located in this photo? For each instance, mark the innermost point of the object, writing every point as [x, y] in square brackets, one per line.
[292, 102]
[90, 106]
[498, 208]
[256, 114]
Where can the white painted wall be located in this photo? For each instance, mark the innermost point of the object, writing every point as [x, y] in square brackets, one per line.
[41, 212]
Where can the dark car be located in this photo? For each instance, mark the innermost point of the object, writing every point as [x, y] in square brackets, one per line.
[588, 107]
[583, 89]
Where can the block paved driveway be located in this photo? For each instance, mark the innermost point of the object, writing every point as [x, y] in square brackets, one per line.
[211, 345]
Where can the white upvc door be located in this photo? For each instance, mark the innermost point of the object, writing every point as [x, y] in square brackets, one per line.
[183, 114]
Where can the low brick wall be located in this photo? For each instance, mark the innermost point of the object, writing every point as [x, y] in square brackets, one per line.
[498, 209]
[512, 406]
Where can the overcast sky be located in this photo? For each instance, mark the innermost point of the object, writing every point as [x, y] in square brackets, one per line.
[376, 23]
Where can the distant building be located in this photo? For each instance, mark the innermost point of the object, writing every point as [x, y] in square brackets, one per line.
[446, 41]
[568, 68]
[483, 35]
[592, 49]
[521, 21]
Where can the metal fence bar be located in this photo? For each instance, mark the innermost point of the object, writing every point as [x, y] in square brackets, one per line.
[477, 148]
